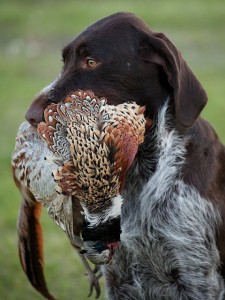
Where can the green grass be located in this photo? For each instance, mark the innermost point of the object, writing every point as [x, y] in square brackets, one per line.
[32, 34]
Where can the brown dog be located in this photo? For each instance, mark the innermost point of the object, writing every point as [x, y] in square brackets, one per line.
[172, 241]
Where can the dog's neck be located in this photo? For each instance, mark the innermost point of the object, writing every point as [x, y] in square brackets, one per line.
[162, 152]
[165, 142]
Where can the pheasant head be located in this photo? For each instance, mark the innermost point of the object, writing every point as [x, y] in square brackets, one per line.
[98, 143]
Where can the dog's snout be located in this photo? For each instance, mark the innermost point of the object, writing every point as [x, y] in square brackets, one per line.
[34, 116]
[35, 113]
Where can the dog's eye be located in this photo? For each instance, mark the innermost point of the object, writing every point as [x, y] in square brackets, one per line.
[91, 63]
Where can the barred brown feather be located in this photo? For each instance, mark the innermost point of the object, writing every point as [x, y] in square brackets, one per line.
[103, 140]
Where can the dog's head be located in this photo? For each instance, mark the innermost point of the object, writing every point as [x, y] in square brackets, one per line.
[120, 58]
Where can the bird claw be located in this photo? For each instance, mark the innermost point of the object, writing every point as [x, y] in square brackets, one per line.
[94, 277]
[97, 271]
[94, 285]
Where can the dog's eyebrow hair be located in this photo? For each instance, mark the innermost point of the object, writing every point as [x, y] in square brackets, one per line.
[83, 49]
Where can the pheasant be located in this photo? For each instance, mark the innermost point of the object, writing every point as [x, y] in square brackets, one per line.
[76, 170]
[33, 177]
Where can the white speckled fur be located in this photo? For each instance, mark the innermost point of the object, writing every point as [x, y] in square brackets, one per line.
[168, 248]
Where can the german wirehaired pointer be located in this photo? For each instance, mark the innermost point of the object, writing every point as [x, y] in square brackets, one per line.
[173, 234]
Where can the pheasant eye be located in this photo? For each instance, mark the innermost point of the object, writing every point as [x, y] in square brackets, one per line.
[91, 63]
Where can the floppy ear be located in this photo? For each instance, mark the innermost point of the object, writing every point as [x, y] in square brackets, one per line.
[188, 94]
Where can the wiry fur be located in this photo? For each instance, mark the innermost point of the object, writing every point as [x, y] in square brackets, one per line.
[168, 248]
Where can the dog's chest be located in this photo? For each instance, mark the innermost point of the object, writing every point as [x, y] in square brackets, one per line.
[164, 220]
[169, 231]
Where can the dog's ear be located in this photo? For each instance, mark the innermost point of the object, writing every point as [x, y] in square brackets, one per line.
[188, 94]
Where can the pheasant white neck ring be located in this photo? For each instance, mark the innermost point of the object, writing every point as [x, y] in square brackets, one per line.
[112, 212]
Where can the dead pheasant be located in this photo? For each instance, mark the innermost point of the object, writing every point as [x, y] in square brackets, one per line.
[90, 145]
[33, 177]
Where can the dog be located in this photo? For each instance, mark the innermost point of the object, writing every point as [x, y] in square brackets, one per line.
[172, 241]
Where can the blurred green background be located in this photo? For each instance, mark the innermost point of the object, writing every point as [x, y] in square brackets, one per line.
[32, 34]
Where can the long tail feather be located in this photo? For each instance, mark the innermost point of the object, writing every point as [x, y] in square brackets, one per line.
[31, 246]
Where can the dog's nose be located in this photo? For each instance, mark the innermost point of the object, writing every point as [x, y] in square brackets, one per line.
[34, 115]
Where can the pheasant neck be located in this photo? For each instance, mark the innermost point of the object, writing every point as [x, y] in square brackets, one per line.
[110, 212]
[104, 225]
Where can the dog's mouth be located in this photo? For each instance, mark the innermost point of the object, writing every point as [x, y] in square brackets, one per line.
[112, 248]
